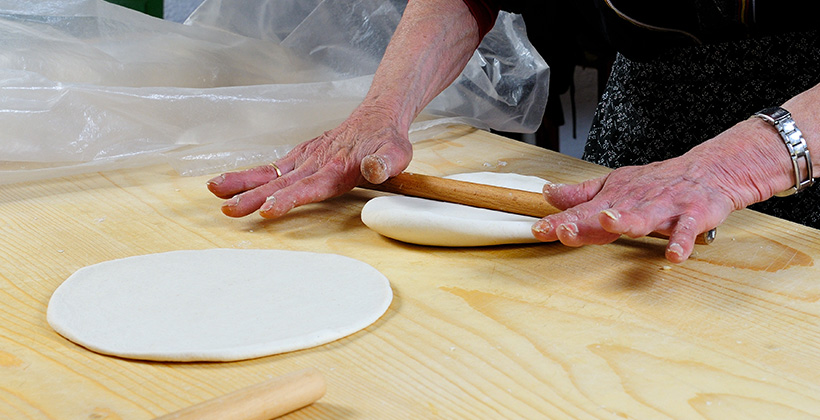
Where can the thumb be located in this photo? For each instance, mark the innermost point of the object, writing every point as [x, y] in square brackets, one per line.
[564, 196]
[389, 160]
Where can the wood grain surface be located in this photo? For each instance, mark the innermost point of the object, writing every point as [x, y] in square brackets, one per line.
[525, 331]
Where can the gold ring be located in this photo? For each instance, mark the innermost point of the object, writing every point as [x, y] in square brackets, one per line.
[276, 168]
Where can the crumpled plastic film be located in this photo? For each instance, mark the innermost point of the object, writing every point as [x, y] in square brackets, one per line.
[86, 85]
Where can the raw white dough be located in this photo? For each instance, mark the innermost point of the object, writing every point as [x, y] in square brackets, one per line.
[428, 222]
[218, 304]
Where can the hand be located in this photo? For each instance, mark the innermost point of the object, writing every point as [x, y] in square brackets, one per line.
[432, 44]
[675, 197]
[365, 147]
[680, 197]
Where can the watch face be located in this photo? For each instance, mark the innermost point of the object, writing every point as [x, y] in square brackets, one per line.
[776, 113]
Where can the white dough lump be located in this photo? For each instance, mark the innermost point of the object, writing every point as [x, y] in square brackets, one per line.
[429, 222]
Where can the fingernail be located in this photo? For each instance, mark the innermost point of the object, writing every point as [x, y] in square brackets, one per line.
[569, 228]
[269, 202]
[675, 248]
[217, 180]
[549, 187]
[374, 169]
[233, 202]
[612, 214]
[542, 227]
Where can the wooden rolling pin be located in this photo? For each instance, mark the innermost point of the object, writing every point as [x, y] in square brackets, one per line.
[263, 401]
[485, 196]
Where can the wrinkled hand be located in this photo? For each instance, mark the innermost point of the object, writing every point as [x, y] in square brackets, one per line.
[672, 197]
[366, 147]
[680, 197]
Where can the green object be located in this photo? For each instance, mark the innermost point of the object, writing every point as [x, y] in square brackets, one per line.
[151, 7]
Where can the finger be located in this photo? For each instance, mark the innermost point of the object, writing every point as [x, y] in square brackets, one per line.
[682, 239]
[564, 196]
[389, 160]
[543, 231]
[634, 223]
[229, 184]
[546, 229]
[307, 190]
[249, 201]
[576, 234]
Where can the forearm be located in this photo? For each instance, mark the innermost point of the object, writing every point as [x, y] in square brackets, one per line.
[432, 44]
[751, 160]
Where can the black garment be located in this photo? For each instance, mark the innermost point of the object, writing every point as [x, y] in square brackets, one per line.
[663, 107]
[566, 34]
[642, 29]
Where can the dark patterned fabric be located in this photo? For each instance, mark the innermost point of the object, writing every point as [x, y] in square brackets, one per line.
[661, 108]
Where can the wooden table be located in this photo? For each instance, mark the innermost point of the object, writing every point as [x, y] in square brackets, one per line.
[530, 331]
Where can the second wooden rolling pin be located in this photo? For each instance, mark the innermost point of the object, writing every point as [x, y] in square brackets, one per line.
[485, 196]
[263, 401]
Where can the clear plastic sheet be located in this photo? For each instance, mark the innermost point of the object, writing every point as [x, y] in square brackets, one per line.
[86, 85]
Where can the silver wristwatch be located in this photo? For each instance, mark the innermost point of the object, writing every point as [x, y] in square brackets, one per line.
[782, 121]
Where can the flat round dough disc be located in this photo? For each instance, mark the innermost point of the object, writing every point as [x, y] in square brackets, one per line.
[217, 304]
[429, 222]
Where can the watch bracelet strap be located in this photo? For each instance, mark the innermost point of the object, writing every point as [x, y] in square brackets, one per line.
[796, 145]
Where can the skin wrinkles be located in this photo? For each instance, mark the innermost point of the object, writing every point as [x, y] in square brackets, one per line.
[679, 197]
